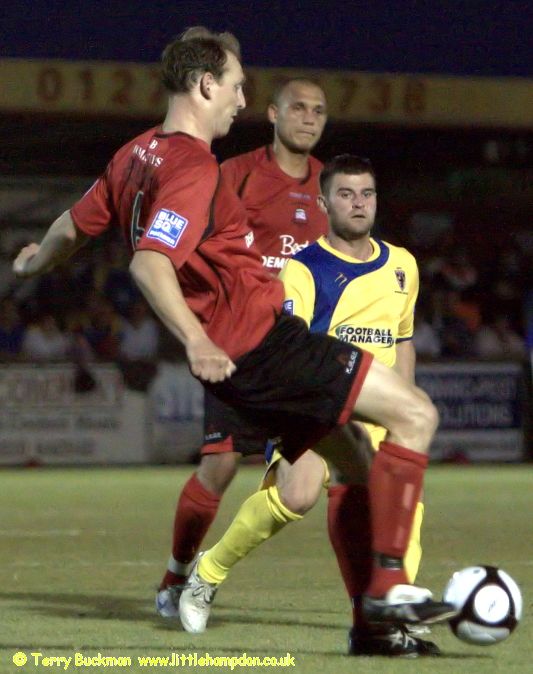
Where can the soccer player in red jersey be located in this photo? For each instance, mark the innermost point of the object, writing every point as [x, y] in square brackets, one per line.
[194, 259]
[278, 186]
[278, 183]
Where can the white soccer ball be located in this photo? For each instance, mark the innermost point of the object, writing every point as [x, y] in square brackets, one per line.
[489, 601]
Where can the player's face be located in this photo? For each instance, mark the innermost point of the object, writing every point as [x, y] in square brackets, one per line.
[351, 205]
[300, 116]
[228, 97]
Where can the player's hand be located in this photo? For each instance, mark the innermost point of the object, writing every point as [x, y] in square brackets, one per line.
[21, 264]
[208, 362]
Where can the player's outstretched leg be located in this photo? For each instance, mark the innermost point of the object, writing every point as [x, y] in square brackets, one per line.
[195, 511]
[395, 486]
[259, 518]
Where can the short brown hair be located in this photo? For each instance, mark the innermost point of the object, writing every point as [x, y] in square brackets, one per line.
[278, 92]
[348, 164]
[193, 53]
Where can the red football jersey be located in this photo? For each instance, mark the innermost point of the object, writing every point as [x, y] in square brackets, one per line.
[165, 193]
[283, 211]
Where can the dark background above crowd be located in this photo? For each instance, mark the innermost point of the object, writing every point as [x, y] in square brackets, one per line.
[489, 38]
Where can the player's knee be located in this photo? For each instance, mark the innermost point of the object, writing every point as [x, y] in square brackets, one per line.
[299, 501]
[423, 417]
[430, 413]
[216, 471]
[300, 493]
[435, 418]
[299, 484]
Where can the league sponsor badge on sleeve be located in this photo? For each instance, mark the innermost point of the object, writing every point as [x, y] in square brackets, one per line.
[167, 227]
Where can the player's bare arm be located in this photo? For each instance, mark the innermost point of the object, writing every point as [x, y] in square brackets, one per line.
[61, 241]
[406, 360]
[156, 277]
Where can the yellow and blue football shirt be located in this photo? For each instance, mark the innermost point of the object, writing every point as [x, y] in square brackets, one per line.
[370, 304]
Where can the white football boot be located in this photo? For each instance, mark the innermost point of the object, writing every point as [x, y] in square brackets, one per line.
[195, 601]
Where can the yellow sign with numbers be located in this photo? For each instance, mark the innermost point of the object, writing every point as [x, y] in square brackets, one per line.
[133, 90]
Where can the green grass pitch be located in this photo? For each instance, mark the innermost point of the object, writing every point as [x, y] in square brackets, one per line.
[83, 549]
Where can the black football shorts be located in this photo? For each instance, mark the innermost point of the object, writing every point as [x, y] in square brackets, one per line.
[295, 387]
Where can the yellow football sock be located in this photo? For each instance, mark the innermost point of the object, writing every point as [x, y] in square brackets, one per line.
[260, 517]
[413, 555]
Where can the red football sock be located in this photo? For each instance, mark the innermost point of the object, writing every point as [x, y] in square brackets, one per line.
[350, 536]
[394, 486]
[196, 509]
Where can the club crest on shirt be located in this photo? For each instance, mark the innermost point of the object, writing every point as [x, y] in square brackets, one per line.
[300, 215]
[167, 227]
[400, 277]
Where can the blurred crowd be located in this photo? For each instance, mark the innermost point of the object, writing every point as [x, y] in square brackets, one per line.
[472, 309]
[83, 312]
[91, 311]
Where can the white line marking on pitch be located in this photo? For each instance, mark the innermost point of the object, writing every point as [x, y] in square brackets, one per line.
[44, 533]
[79, 562]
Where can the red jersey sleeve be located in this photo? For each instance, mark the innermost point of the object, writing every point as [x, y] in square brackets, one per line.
[180, 212]
[93, 213]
